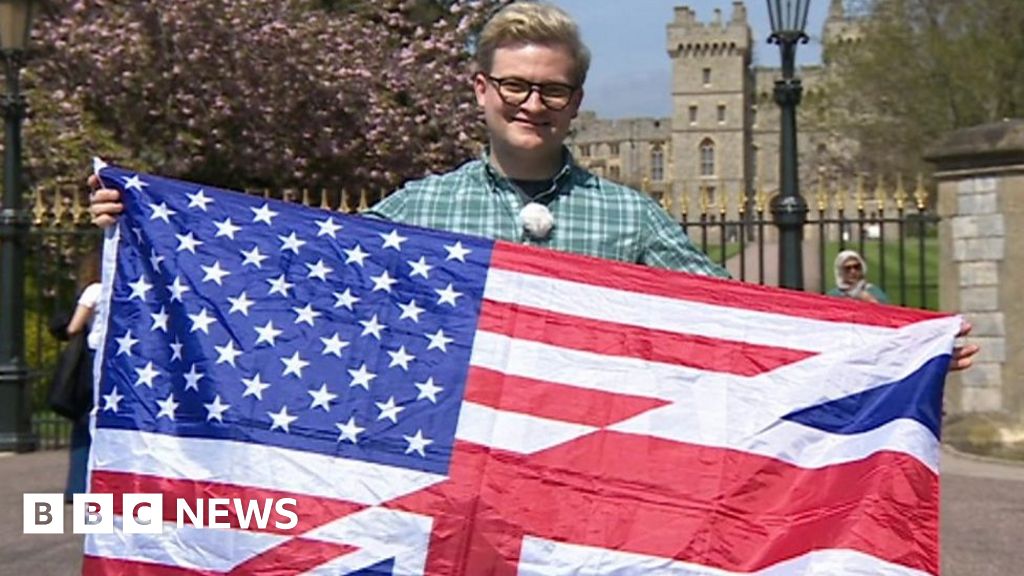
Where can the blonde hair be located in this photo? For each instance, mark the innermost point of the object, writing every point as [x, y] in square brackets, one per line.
[532, 23]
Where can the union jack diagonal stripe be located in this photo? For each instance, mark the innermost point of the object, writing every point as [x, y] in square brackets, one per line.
[450, 405]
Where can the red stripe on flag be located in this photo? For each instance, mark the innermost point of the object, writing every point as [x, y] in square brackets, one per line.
[720, 292]
[613, 339]
[98, 566]
[312, 511]
[721, 508]
[549, 400]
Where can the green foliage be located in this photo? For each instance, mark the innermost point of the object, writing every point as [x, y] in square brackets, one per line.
[922, 69]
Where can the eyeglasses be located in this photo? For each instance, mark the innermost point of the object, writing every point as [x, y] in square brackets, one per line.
[515, 91]
[852, 267]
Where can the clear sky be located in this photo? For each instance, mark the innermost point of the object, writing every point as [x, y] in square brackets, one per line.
[630, 73]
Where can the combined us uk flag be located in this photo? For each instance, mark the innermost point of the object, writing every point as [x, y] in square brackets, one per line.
[450, 405]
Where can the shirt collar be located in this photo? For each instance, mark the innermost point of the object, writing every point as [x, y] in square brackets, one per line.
[569, 175]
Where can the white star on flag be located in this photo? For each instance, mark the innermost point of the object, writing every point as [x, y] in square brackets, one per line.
[389, 410]
[328, 228]
[226, 228]
[139, 288]
[161, 212]
[215, 410]
[199, 200]
[254, 387]
[167, 407]
[393, 240]
[263, 214]
[457, 251]
[321, 398]
[281, 419]
[417, 443]
[349, 430]
[192, 378]
[428, 390]
[125, 343]
[112, 400]
[294, 365]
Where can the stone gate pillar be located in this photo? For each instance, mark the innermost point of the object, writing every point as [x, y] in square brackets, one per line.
[980, 173]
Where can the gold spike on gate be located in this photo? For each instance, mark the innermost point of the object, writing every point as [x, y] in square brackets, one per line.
[920, 194]
[761, 198]
[364, 201]
[325, 203]
[859, 193]
[879, 194]
[306, 201]
[822, 192]
[684, 201]
[666, 202]
[79, 213]
[901, 193]
[343, 202]
[39, 209]
[59, 210]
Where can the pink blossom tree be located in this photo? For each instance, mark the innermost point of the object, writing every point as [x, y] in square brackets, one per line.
[262, 93]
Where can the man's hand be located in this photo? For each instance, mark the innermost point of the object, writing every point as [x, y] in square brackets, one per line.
[104, 203]
[963, 356]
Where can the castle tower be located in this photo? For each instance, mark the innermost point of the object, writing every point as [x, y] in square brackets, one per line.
[711, 101]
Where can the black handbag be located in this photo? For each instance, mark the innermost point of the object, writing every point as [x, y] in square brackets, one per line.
[71, 387]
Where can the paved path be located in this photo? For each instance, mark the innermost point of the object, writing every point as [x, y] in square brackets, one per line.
[982, 517]
[750, 270]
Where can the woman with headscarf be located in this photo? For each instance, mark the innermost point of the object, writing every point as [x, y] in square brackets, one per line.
[851, 279]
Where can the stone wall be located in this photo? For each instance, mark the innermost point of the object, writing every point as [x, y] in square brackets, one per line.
[981, 201]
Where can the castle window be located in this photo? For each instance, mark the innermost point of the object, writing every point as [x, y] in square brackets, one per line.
[707, 158]
[585, 150]
[657, 163]
[613, 149]
[613, 172]
[693, 114]
[707, 76]
[721, 113]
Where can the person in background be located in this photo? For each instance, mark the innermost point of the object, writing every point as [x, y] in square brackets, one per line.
[851, 279]
[88, 290]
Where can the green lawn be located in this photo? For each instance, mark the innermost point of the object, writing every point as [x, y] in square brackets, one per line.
[887, 276]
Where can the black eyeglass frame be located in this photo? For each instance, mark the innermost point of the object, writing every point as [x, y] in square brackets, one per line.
[533, 87]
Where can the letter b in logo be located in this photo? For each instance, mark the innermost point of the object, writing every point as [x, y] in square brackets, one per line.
[93, 514]
[43, 513]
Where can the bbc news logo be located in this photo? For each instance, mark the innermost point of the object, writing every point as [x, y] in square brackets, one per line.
[144, 513]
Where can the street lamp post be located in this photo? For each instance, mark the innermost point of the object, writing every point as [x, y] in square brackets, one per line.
[15, 409]
[789, 209]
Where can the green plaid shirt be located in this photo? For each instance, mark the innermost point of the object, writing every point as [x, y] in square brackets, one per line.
[593, 216]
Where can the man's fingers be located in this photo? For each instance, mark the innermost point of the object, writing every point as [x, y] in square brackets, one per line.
[104, 207]
[94, 182]
[963, 357]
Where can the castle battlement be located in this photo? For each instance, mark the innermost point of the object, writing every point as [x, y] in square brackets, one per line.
[687, 35]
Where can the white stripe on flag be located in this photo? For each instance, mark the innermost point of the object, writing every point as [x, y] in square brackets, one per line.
[514, 432]
[205, 460]
[541, 557]
[793, 442]
[675, 315]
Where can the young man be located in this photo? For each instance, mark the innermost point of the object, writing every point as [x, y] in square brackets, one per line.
[531, 65]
